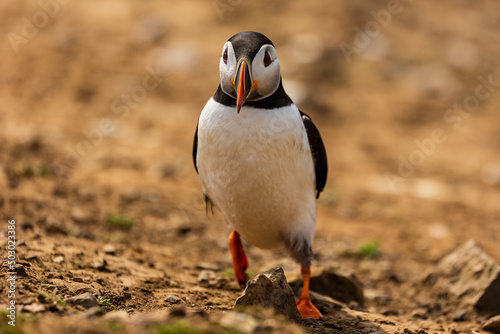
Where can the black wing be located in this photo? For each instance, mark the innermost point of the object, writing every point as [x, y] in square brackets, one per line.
[195, 151]
[318, 152]
[195, 148]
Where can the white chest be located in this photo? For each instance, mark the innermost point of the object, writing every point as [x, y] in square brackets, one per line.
[256, 167]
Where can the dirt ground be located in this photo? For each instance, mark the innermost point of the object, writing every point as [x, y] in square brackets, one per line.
[100, 100]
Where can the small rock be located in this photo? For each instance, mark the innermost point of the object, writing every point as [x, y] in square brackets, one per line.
[20, 270]
[270, 289]
[100, 264]
[454, 331]
[109, 249]
[78, 215]
[58, 258]
[55, 226]
[34, 308]
[492, 325]
[459, 315]
[205, 276]
[242, 322]
[469, 277]
[85, 300]
[173, 299]
[420, 313]
[130, 196]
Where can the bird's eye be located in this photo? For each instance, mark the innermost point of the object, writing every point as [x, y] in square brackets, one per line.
[224, 56]
[267, 59]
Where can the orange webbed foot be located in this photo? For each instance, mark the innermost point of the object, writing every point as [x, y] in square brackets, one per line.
[307, 309]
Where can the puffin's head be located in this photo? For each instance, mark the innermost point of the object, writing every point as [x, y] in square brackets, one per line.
[249, 68]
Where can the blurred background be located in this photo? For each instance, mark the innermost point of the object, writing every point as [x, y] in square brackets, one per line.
[100, 99]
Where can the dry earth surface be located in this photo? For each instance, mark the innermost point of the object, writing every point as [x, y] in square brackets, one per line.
[96, 167]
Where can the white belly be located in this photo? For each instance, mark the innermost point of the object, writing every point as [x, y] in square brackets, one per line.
[256, 167]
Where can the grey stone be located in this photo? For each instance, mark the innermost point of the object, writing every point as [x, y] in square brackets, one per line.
[85, 300]
[173, 299]
[468, 277]
[492, 325]
[270, 289]
[459, 315]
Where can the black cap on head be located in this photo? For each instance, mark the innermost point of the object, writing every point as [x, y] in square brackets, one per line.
[248, 43]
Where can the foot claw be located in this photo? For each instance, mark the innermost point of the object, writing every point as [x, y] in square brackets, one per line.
[307, 309]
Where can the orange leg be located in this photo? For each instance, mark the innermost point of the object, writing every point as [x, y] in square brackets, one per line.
[304, 304]
[240, 261]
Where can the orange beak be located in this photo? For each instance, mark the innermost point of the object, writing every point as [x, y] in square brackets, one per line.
[242, 82]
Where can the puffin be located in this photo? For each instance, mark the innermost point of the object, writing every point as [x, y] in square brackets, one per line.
[261, 161]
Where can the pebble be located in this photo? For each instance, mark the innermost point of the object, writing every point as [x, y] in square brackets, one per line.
[420, 313]
[459, 315]
[109, 249]
[58, 259]
[173, 299]
[85, 300]
[20, 270]
[78, 215]
[100, 264]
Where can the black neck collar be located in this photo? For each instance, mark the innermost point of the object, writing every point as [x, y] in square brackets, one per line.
[277, 100]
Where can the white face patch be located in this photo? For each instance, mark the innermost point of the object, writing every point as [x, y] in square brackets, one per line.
[227, 67]
[267, 76]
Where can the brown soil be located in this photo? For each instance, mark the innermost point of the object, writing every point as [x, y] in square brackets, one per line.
[71, 82]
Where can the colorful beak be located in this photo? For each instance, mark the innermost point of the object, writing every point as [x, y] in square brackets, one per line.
[242, 82]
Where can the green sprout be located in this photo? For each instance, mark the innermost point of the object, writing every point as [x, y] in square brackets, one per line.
[119, 220]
